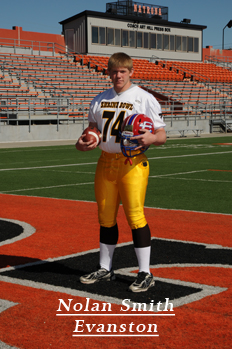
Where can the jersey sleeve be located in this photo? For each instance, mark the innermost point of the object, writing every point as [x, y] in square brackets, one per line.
[153, 109]
[91, 117]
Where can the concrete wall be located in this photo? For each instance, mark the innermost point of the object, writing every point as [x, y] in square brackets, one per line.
[18, 37]
[187, 127]
[27, 51]
[12, 133]
[223, 54]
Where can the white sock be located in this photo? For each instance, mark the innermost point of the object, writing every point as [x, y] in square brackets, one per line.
[106, 255]
[143, 257]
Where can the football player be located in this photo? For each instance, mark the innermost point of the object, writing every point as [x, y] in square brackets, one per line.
[117, 180]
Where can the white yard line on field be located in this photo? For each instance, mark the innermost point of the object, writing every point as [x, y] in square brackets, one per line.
[81, 172]
[157, 176]
[178, 173]
[198, 179]
[188, 155]
[170, 176]
[94, 163]
[41, 167]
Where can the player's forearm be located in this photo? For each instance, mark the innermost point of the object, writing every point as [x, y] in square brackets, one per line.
[160, 136]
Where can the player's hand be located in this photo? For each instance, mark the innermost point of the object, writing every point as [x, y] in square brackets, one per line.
[85, 146]
[145, 139]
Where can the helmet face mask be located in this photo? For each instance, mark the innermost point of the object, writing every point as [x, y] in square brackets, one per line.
[130, 128]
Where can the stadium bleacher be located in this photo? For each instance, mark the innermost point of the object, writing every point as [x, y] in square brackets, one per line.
[47, 78]
[47, 85]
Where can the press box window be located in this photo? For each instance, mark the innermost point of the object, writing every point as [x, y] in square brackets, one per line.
[184, 43]
[132, 39]
[113, 37]
[190, 44]
[178, 43]
[172, 42]
[145, 41]
[98, 35]
[102, 35]
[117, 36]
[128, 38]
[110, 36]
[159, 41]
[153, 41]
[166, 42]
[94, 35]
[142, 40]
[139, 39]
[125, 41]
[196, 45]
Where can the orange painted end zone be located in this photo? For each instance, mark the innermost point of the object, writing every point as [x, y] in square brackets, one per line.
[64, 227]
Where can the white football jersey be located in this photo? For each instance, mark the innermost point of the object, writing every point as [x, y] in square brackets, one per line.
[109, 109]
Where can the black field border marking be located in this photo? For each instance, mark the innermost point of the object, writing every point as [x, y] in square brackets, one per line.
[202, 290]
[28, 230]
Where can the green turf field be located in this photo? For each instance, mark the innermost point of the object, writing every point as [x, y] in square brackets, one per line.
[191, 174]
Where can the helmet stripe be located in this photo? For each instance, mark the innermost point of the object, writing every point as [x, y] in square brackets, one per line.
[131, 119]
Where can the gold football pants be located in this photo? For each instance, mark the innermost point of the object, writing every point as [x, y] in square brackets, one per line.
[116, 181]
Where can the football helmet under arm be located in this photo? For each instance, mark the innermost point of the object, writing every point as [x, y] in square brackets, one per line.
[130, 128]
